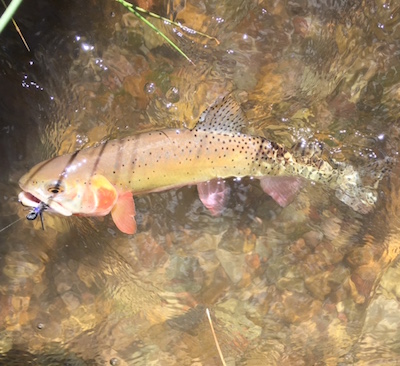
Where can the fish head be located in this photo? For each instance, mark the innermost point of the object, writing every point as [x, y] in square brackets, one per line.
[69, 187]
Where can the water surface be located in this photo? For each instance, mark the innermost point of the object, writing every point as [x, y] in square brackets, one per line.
[311, 284]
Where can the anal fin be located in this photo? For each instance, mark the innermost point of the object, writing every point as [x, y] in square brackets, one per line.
[282, 189]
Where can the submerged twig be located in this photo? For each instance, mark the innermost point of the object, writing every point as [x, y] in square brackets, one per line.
[215, 337]
[177, 24]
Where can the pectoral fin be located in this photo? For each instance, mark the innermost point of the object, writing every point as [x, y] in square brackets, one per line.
[123, 213]
[213, 194]
[282, 189]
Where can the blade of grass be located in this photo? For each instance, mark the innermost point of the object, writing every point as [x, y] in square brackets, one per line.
[8, 14]
[136, 10]
[131, 8]
[17, 29]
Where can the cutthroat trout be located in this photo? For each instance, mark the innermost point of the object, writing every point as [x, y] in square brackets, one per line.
[103, 179]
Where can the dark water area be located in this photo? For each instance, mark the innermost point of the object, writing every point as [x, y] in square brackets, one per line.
[314, 283]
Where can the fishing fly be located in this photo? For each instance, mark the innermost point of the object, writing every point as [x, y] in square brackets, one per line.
[32, 215]
[37, 211]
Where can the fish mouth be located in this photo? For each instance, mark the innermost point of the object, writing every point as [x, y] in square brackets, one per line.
[30, 200]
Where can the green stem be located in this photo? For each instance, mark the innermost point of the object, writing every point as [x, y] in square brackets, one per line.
[132, 9]
[8, 14]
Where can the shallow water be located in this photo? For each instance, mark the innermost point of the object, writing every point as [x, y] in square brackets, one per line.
[311, 284]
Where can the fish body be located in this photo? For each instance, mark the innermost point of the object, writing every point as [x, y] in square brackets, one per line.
[103, 179]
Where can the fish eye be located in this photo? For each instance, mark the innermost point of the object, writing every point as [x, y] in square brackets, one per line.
[55, 188]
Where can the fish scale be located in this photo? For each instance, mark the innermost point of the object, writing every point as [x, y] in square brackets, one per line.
[177, 158]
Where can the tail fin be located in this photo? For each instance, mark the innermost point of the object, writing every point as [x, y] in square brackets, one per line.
[361, 194]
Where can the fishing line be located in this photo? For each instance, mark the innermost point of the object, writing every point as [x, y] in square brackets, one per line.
[6, 227]
[32, 215]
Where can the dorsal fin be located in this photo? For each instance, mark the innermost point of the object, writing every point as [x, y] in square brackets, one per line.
[225, 115]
